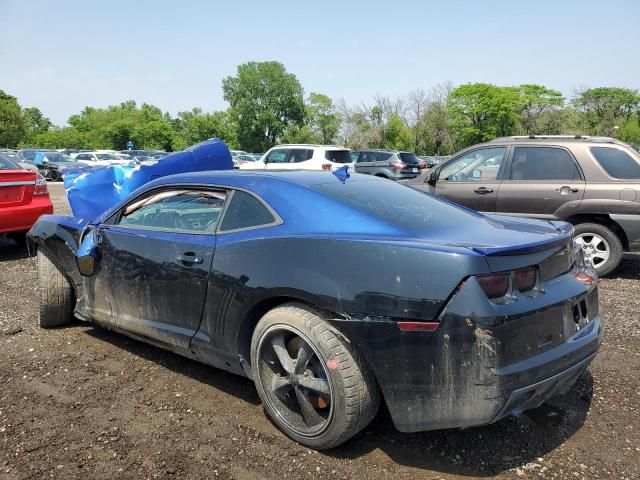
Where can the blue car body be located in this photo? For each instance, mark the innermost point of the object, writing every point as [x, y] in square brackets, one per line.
[371, 256]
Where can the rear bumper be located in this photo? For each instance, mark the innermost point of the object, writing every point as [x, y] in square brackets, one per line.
[21, 218]
[468, 372]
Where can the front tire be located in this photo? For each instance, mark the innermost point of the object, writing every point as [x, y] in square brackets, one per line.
[56, 296]
[314, 385]
[599, 244]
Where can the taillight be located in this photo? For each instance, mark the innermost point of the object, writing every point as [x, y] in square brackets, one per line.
[326, 166]
[585, 278]
[397, 164]
[525, 280]
[41, 186]
[494, 286]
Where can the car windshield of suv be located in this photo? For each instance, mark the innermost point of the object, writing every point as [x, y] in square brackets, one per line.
[58, 157]
[7, 164]
[409, 158]
[106, 156]
[338, 156]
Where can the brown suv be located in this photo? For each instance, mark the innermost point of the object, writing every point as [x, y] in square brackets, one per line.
[592, 182]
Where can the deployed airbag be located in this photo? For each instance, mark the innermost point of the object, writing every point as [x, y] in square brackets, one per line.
[91, 193]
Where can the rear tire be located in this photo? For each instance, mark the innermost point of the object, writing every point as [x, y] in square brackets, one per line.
[601, 244]
[56, 296]
[54, 175]
[348, 397]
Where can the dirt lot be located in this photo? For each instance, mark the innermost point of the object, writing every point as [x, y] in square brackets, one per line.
[80, 402]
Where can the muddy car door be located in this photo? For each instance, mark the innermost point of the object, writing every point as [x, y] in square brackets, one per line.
[539, 181]
[154, 260]
[473, 178]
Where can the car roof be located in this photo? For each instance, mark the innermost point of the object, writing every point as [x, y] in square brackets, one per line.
[533, 139]
[240, 178]
[289, 145]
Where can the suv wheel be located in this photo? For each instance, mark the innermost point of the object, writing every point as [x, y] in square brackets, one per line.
[600, 245]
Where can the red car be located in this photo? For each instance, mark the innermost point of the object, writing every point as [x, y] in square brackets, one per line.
[24, 196]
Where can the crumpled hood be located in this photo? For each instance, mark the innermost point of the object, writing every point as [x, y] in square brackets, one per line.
[503, 235]
[94, 191]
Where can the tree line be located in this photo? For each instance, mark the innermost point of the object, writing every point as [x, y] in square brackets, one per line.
[268, 105]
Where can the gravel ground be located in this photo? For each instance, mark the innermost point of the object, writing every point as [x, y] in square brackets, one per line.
[81, 402]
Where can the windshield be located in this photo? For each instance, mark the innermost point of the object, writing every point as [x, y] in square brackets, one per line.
[409, 158]
[106, 156]
[338, 156]
[7, 164]
[58, 157]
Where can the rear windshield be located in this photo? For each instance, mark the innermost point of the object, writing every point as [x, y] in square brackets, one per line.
[338, 156]
[7, 164]
[617, 163]
[58, 157]
[403, 207]
[409, 158]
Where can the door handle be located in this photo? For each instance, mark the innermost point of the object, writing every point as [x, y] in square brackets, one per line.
[575, 190]
[565, 189]
[189, 257]
[483, 190]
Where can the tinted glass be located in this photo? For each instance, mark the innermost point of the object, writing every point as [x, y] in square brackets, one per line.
[617, 163]
[409, 158]
[7, 164]
[277, 156]
[542, 163]
[338, 156]
[403, 207]
[180, 211]
[245, 211]
[475, 166]
[299, 155]
[384, 156]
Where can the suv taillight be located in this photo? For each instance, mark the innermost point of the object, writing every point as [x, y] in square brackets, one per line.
[41, 186]
[326, 166]
[397, 164]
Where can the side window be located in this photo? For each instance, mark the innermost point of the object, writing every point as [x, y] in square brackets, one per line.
[299, 155]
[475, 166]
[180, 211]
[617, 163]
[542, 163]
[277, 156]
[245, 211]
[383, 156]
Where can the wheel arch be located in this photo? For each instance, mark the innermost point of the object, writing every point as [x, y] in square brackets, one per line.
[601, 219]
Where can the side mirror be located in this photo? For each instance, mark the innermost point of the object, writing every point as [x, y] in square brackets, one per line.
[87, 255]
[433, 178]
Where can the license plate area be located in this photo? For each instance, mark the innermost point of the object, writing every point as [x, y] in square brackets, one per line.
[11, 194]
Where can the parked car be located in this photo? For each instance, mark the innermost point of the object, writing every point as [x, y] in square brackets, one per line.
[591, 182]
[23, 198]
[428, 161]
[53, 165]
[302, 157]
[392, 164]
[100, 158]
[450, 317]
[240, 157]
[142, 155]
[28, 155]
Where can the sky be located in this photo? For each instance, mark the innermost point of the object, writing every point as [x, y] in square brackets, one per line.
[63, 55]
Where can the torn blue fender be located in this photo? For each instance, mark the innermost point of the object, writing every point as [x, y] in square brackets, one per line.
[91, 193]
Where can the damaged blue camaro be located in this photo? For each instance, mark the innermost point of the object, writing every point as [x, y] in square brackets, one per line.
[334, 294]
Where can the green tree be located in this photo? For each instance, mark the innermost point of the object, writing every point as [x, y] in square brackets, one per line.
[11, 121]
[397, 135]
[534, 102]
[481, 112]
[195, 126]
[322, 119]
[606, 107]
[264, 100]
